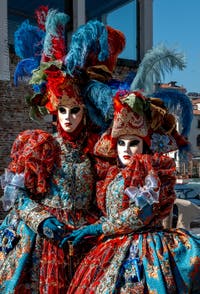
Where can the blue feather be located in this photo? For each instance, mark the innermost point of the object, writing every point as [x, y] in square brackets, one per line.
[97, 118]
[180, 104]
[91, 37]
[98, 100]
[119, 85]
[53, 21]
[24, 68]
[28, 41]
[154, 65]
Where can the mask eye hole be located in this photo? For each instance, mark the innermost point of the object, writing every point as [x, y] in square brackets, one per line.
[121, 143]
[75, 110]
[134, 143]
[62, 110]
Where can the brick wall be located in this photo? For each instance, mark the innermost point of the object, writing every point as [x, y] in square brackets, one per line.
[14, 117]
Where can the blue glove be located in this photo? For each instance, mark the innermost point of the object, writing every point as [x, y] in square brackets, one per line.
[78, 235]
[51, 228]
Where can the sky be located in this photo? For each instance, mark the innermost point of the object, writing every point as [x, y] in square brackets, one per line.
[176, 24]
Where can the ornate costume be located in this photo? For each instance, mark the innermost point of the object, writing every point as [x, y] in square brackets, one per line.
[30, 263]
[134, 253]
[49, 185]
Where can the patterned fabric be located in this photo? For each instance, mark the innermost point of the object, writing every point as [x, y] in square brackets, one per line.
[35, 264]
[126, 120]
[147, 118]
[137, 255]
[35, 153]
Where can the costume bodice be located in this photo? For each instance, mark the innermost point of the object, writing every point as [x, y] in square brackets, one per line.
[71, 186]
[114, 196]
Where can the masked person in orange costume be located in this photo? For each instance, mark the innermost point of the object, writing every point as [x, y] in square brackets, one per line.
[134, 253]
[49, 184]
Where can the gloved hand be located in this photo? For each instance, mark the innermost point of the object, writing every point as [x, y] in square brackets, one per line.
[51, 228]
[78, 235]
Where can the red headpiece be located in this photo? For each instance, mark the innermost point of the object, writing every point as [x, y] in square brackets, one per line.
[147, 118]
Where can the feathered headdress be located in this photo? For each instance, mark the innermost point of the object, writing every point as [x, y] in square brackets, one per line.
[89, 62]
[94, 49]
[147, 118]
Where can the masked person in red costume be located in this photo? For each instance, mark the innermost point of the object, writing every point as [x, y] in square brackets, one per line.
[134, 253]
[49, 186]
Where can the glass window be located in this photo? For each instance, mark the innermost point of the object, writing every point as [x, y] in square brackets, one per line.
[125, 20]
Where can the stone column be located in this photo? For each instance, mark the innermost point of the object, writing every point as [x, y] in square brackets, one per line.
[79, 17]
[4, 51]
[146, 26]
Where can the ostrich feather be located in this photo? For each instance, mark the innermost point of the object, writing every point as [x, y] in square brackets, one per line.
[54, 42]
[41, 15]
[28, 46]
[25, 68]
[98, 100]
[89, 38]
[28, 41]
[180, 104]
[155, 64]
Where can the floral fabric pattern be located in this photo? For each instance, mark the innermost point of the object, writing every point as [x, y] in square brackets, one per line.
[35, 264]
[137, 255]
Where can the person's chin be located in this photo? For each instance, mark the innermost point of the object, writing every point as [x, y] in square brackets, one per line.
[68, 129]
[126, 162]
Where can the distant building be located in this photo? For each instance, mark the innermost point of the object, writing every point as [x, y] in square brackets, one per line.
[195, 128]
[193, 168]
[193, 95]
[171, 85]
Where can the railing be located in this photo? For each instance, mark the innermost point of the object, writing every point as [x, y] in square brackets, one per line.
[191, 169]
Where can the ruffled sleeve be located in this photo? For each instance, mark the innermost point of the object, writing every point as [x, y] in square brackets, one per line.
[34, 155]
[31, 212]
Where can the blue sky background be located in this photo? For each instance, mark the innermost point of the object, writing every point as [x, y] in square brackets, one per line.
[176, 23]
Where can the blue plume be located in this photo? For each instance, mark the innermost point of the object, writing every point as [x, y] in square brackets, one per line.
[91, 37]
[24, 68]
[129, 79]
[120, 85]
[28, 41]
[98, 100]
[154, 65]
[54, 20]
[178, 103]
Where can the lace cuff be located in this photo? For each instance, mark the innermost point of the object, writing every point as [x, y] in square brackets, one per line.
[10, 183]
[146, 195]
